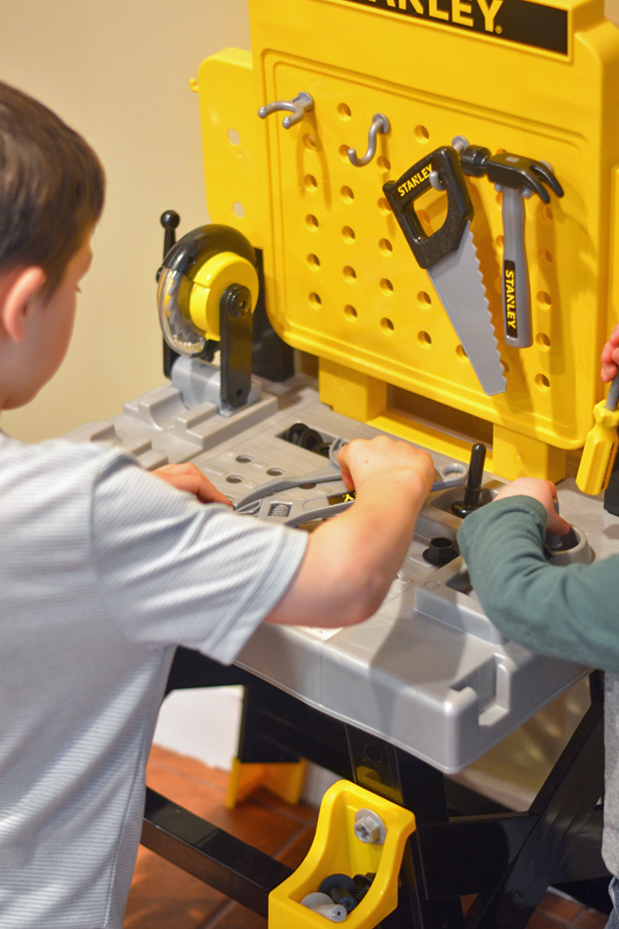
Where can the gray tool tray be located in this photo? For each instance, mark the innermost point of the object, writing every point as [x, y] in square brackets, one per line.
[428, 672]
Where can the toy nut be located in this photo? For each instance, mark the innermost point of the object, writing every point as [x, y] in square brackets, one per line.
[570, 549]
[324, 906]
[369, 827]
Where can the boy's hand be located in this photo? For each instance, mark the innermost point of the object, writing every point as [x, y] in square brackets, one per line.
[610, 356]
[382, 458]
[189, 477]
[545, 492]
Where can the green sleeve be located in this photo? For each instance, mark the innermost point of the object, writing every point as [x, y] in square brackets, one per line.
[569, 612]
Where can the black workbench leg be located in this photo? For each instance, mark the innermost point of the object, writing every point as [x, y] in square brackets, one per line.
[417, 786]
[560, 810]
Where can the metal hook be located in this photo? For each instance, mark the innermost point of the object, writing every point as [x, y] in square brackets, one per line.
[459, 143]
[380, 123]
[301, 105]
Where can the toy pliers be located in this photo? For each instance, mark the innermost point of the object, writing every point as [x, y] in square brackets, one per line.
[268, 501]
[516, 177]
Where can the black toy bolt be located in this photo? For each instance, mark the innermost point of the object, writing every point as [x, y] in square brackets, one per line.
[473, 487]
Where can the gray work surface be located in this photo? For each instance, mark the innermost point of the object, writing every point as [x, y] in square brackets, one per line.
[428, 672]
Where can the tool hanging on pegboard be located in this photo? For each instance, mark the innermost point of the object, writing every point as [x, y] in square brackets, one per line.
[450, 257]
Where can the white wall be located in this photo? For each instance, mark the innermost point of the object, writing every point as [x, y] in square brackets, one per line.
[119, 73]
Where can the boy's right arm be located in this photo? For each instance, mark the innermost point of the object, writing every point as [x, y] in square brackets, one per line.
[351, 561]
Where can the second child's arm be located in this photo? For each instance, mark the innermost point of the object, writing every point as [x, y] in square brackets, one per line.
[569, 612]
[351, 561]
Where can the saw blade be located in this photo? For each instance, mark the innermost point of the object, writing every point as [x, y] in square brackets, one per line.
[459, 284]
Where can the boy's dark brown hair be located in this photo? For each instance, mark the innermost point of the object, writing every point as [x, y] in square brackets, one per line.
[51, 187]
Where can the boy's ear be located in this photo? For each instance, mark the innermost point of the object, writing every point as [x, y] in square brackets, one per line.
[18, 290]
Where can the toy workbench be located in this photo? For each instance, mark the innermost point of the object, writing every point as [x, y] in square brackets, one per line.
[423, 196]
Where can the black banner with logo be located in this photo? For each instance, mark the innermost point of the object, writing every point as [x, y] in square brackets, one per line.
[513, 20]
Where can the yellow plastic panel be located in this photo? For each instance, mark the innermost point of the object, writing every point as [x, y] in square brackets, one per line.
[234, 162]
[341, 281]
[336, 850]
[285, 780]
[613, 315]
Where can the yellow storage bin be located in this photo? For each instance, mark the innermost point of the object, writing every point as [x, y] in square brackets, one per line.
[336, 849]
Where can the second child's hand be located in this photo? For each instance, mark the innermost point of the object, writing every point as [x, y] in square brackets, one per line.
[543, 491]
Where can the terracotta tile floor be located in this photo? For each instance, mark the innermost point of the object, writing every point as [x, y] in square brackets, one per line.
[164, 897]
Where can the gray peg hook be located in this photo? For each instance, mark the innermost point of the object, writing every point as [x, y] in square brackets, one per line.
[299, 106]
[380, 123]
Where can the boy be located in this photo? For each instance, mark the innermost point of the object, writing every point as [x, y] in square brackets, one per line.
[104, 569]
[568, 612]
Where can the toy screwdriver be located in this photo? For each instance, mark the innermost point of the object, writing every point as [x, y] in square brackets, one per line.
[598, 454]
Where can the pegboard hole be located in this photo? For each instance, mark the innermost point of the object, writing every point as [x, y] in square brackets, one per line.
[544, 300]
[499, 200]
[315, 301]
[383, 206]
[347, 195]
[311, 222]
[344, 153]
[386, 286]
[421, 134]
[545, 257]
[383, 164]
[348, 234]
[350, 274]
[547, 214]
[344, 111]
[244, 459]
[275, 472]
[386, 325]
[234, 479]
[499, 242]
[350, 311]
[425, 339]
[238, 209]
[461, 353]
[313, 261]
[424, 300]
[385, 246]
[309, 142]
[542, 382]
[543, 341]
[233, 137]
[310, 182]
[505, 366]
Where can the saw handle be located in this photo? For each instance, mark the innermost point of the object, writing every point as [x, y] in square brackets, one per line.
[402, 194]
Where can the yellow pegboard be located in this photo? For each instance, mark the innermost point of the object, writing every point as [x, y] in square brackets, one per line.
[341, 281]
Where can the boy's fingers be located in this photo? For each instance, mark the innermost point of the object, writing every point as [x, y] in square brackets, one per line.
[189, 478]
[556, 524]
[342, 460]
